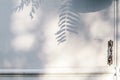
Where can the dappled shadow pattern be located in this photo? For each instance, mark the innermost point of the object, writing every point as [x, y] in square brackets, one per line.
[69, 18]
[73, 54]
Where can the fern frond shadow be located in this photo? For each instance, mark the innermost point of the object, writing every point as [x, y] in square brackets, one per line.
[68, 22]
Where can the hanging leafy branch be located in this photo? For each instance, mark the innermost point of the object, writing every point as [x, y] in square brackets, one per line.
[34, 6]
[68, 22]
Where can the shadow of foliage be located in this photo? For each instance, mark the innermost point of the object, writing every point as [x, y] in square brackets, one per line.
[69, 18]
[34, 6]
[68, 21]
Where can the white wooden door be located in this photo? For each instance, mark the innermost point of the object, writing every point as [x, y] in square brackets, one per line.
[58, 39]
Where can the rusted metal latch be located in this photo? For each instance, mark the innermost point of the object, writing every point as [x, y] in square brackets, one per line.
[110, 56]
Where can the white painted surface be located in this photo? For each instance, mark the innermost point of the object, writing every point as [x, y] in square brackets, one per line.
[29, 45]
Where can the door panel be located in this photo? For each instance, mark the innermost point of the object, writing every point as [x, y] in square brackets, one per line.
[88, 48]
[29, 43]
